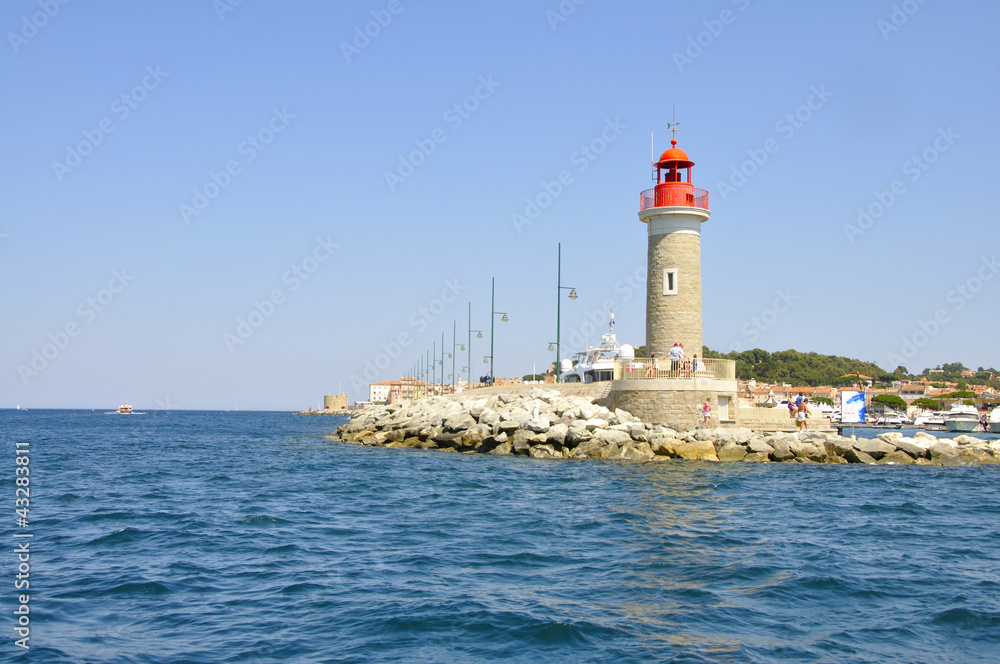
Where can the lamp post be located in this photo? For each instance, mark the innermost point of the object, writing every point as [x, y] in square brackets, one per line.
[494, 312]
[572, 296]
[442, 364]
[479, 335]
[452, 354]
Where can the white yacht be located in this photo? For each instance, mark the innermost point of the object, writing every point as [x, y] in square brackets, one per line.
[994, 421]
[962, 418]
[598, 362]
[892, 420]
[931, 421]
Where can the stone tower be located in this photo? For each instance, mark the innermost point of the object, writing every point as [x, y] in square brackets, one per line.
[673, 211]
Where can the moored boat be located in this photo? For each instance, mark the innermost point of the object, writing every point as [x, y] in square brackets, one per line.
[931, 421]
[993, 423]
[598, 362]
[962, 418]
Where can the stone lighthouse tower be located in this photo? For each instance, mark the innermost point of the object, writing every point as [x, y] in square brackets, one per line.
[673, 211]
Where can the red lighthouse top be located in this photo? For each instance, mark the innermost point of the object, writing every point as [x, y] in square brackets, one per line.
[673, 183]
[674, 157]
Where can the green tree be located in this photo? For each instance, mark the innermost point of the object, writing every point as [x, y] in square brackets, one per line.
[893, 401]
[928, 404]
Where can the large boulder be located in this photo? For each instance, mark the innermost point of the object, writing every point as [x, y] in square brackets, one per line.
[575, 436]
[557, 434]
[914, 447]
[858, 456]
[700, 450]
[731, 452]
[610, 436]
[875, 448]
[488, 416]
[638, 433]
[665, 446]
[544, 451]
[502, 449]
[758, 446]
[633, 451]
[897, 457]
[808, 450]
[590, 449]
[942, 450]
[459, 421]
[541, 425]
[782, 450]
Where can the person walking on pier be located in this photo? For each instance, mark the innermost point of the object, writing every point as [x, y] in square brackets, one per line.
[803, 413]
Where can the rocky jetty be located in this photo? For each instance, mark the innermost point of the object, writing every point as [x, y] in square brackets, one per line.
[547, 425]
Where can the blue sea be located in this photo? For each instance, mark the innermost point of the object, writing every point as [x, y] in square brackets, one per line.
[188, 537]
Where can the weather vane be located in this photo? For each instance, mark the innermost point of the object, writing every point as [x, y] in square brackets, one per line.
[673, 126]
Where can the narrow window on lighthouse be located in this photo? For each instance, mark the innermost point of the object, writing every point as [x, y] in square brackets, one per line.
[670, 281]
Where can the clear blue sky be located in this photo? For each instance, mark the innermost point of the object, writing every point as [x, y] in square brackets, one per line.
[114, 114]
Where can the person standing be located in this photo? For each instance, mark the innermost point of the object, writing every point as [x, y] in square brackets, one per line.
[803, 413]
[706, 412]
[676, 355]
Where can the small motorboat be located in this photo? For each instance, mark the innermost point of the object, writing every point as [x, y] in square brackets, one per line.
[124, 408]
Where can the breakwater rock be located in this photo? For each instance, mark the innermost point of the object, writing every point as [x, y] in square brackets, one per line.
[546, 425]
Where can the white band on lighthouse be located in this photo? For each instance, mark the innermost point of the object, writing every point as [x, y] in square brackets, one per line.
[666, 220]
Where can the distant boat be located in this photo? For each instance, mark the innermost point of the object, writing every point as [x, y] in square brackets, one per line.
[124, 408]
[994, 422]
[931, 421]
[962, 418]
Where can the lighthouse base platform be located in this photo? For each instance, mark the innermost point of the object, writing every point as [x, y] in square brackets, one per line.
[677, 403]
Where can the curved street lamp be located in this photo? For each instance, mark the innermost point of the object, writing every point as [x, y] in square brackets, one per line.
[504, 319]
[572, 296]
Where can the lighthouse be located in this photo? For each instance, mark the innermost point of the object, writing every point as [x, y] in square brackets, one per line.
[673, 212]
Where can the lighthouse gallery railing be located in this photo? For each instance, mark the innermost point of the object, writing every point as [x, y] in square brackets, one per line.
[673, 196]
[643, 367]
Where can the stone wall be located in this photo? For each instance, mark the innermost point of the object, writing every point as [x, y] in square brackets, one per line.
[776, 419]
[675, 402]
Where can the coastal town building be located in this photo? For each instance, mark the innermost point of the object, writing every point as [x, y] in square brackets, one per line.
[335, 402]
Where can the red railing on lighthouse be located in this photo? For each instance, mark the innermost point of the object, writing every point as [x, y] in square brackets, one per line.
[673, 197]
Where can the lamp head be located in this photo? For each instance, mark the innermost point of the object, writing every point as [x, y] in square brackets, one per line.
[573, 295]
